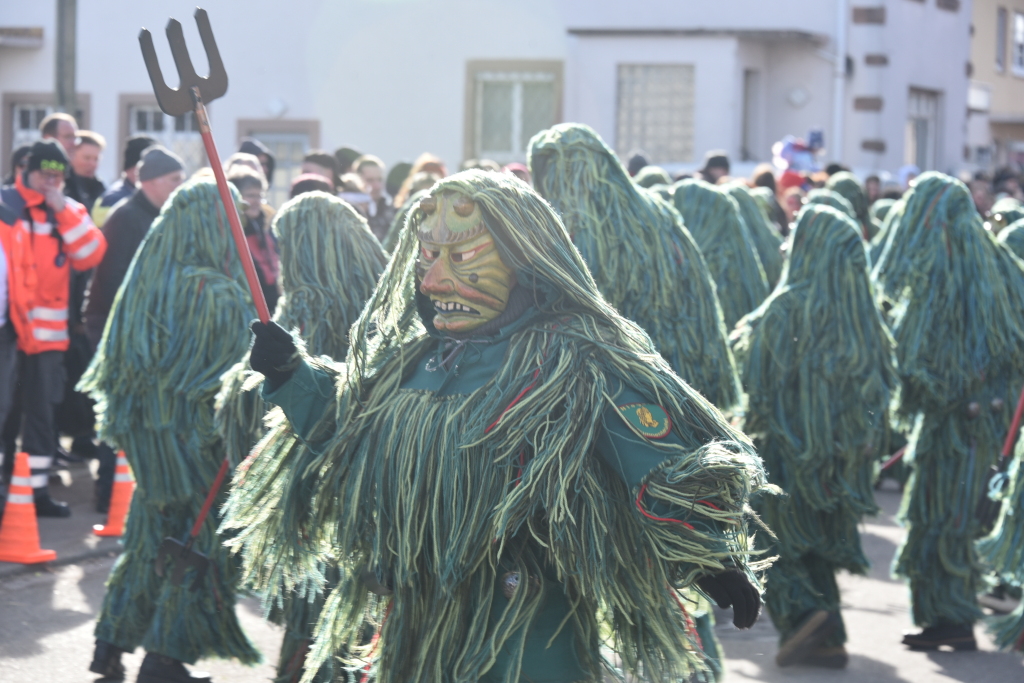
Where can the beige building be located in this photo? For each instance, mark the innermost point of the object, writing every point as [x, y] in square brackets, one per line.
[995, 102]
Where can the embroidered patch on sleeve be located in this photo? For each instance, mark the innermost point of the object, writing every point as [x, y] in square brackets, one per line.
[646, 419]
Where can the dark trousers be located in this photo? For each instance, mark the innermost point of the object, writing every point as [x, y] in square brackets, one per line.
[42, 384]
[8, 378]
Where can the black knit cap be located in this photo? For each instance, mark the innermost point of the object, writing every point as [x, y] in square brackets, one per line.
[133, 150]
[47, 155]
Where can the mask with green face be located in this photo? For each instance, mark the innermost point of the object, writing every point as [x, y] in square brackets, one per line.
[459, 267]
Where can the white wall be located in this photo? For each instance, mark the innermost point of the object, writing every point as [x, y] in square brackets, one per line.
[383, 76]
[592, 80]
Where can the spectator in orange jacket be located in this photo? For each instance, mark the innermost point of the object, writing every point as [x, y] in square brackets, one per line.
[60, 236]
[17, 283]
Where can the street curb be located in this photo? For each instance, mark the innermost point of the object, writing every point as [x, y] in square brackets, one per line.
[8, 569]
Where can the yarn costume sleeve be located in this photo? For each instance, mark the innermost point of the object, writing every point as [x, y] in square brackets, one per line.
[689, 502]
[304, 398]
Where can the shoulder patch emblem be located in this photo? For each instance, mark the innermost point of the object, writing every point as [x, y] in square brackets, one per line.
[646, 419]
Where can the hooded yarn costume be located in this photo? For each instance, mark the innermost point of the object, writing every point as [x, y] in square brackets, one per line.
[817, 363]
[847, 185]
[645, 262]
[766, 238]
[830, 198]
[954, 299]
[172, 332]
[714, 220]
[498, 484]
[1003, 549]
[330, 262]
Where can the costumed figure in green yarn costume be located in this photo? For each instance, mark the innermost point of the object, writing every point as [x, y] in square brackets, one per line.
[847, 185]
[519, 475]
[954, 298]
[645, 263]
[714, 220]
[172, 332]
[330, 262]
[1003, 549]
[818, 366]
[762, 231]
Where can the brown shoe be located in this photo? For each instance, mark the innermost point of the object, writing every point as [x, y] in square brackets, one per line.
[827, 658]
[956, 636]
[809, 636]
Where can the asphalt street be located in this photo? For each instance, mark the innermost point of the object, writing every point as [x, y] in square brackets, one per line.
[47, 616]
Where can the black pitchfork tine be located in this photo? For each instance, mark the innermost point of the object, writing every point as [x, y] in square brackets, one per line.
[178, 101]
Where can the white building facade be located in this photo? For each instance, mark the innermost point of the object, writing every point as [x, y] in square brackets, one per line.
[886, 82]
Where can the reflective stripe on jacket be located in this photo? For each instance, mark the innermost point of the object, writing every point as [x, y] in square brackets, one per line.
[56, 242]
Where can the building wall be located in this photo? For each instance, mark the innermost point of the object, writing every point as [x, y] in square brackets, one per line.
[997, 103]
[389, 76]
[927, 47]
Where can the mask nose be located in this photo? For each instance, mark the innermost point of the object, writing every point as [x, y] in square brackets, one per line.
[438, 278]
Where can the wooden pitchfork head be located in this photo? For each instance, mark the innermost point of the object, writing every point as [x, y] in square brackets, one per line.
[176, 102]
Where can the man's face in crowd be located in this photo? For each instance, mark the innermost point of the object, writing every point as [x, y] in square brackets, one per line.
[46, 181]
[85, 160]
[713, 174]
[65, 135]
[323, 171]
[373, 179]
[253, 198]
[158, 189]
[459, 266]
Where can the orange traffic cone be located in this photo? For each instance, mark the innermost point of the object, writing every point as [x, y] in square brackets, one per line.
[19, 534]
[120, 499]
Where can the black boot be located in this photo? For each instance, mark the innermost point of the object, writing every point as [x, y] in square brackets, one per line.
[106, 661]
[48, 507]
[160, 669]
[814, 629]
[956, 636]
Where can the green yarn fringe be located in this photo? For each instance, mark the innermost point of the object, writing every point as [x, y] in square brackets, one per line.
[1003, 548]
[714, 220]
[879, 210]
[178, 323]
[766, 238]
[847, 185]
[398, 222]
[1005, 212]
[1012, 237]
[1008, 630]
[649, 176]
[953, 297]
[832, 199]
[817, 362]
[645, 263]
[330, 262]
[818, 365]
[439, 526]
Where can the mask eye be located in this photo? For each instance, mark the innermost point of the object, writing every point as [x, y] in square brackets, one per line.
[429, 254]
[463, 256]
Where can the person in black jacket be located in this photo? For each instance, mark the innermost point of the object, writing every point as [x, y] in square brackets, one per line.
[159, 172]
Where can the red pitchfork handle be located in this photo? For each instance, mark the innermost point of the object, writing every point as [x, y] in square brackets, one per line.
[208, 503]
[232, 211]
[1011, 436]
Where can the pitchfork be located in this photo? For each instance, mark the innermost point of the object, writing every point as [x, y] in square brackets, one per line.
[190, 94]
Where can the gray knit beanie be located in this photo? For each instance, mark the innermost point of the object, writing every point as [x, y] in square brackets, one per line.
[157, 161]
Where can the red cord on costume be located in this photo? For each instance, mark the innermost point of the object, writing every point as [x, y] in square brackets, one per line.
[648, 515]
[373, 643]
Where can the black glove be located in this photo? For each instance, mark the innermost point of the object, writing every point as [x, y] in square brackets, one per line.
[733, 589]
[273, 353]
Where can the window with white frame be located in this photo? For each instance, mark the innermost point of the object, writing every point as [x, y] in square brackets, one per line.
[180, 134]
[921, 140]
[510, 106]
[656, 111]
[1018, 44]
[288, 150]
